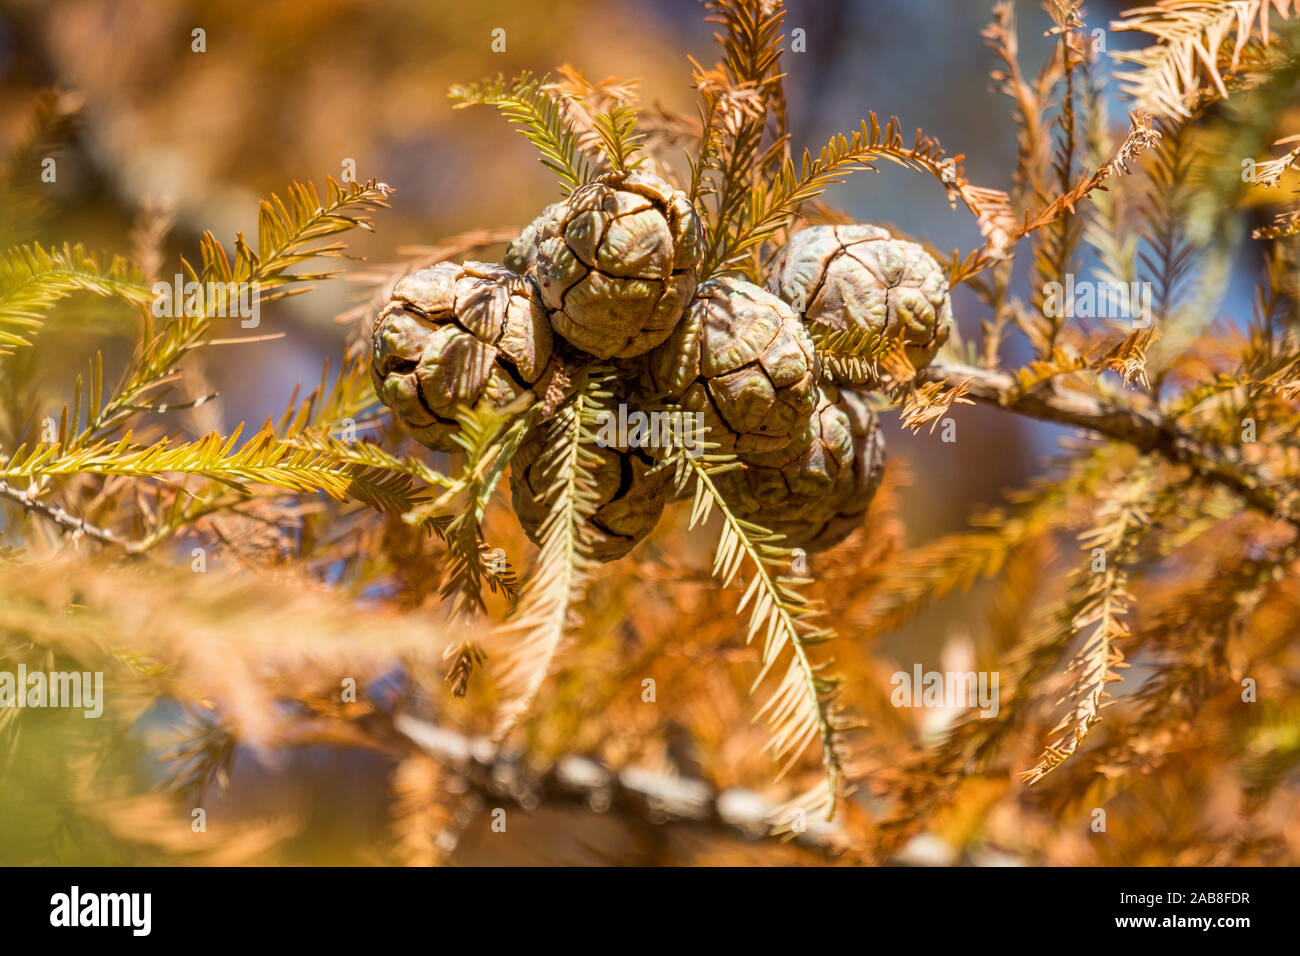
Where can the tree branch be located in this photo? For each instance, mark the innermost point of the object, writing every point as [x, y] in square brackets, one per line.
[64, 519]
[1145, 429]
[658, 797]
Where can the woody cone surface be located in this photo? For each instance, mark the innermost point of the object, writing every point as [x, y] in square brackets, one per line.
[617, 263]
[455, 335]
[841, 278]
[742, 359]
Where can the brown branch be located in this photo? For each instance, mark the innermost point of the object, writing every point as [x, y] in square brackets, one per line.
[1146, 430]
[63, 518]
[661, 798]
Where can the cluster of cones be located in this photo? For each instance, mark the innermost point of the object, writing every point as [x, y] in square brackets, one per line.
[612, 274]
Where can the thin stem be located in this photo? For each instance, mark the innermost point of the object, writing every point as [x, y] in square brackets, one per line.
[1146, 430]
[64, 519]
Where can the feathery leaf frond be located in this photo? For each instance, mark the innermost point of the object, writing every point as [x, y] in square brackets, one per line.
[1186, 63]
[849, 355]
[801, 710]
[526, 103]
[738, 98]
[263, 459]
[1097, 613]
[618, 136]
[290, 233]
[770, 206]
[564, 565]
[33, 279]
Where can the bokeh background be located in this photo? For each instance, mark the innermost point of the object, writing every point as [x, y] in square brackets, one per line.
[291, 89]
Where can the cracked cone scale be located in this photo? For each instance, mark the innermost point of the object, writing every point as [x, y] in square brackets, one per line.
[617, 263]
[741, 358]
[817, 489]
[858, 277]
[455, 335]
